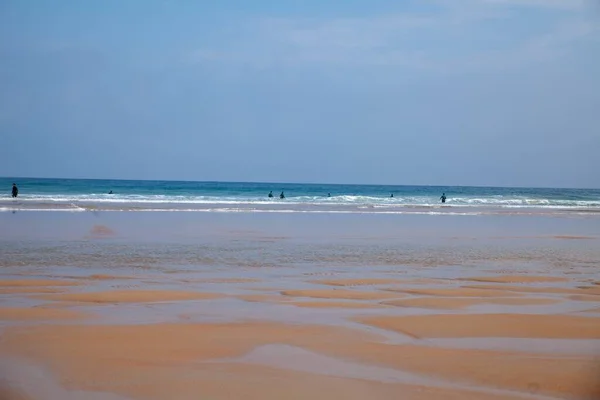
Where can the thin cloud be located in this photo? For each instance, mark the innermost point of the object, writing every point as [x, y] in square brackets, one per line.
[352, 32]
[560, 4]
[425, 42]
[535, 50]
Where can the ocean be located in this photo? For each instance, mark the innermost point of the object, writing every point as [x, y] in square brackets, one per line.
[81, 195]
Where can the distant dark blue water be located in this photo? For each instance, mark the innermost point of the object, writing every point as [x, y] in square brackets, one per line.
[129, 195]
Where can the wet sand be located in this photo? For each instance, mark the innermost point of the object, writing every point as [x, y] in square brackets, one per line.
[131, 314]
[36, 283]
[221, 280]
[135, 360]
[25, 314]
[357, 282]
[491, 325]
[333, 304]
[459, 303]
[265, 298]
[340, 294]
[518, 279]
[460, 292]
[582, 297]
[128, 296]
[107, 277]
[491, 289]
[15, 290]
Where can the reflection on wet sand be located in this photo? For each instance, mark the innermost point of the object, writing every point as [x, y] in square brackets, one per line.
[303, 318]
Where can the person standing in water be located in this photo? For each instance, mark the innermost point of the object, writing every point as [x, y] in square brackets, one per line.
[282, 196]
[271, 193]
[15, 191]
[443, 198]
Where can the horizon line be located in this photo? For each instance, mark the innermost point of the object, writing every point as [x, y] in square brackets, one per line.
[297, 183]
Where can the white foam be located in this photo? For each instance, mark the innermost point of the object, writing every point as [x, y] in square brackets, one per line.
[428, 205]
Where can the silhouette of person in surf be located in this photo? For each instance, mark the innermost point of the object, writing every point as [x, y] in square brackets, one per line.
[271, 193]
[282, 196]
[392, 195]
[111, 192]
[15, 191]
[443, 198]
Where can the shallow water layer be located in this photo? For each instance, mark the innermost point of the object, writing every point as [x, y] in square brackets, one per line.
[172, 240]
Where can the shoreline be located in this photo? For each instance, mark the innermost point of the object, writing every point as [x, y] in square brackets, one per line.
[12, 206]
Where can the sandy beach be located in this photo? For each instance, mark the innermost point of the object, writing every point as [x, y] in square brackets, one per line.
[300, 200]
[206, 307]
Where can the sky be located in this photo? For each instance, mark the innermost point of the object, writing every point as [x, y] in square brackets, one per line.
[431, 92]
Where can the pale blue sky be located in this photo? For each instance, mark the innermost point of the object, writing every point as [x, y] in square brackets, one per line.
[448, 92]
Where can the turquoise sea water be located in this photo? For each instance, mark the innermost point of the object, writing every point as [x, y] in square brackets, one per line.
[130, 195]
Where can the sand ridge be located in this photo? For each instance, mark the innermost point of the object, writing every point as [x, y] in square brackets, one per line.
[28, 289]
[583, 297]
[36, 282]
[459, 303]
[129, 296]
[340, 294]
[573, 237]
[37, 313]
[153, 361]
[356, 282]
[264, 298]
[256, 382]
[563, 376]
[583, 290]
[490, 325]
[457, 292]
[226, 381]
[516, 279]
[10, 393]
[334, 304]
[77, 279]
[102, 277]
[182, 342]
[221, 280]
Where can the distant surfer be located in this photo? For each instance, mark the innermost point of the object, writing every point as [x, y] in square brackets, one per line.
[392, 195]
[443, 198]
[110, 192]
[282, 196]
[15, 191]
[271, 193]
[328, 194]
